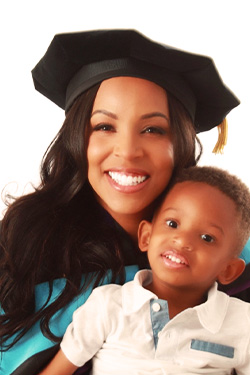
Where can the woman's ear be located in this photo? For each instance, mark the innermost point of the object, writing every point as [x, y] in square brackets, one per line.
[144, 234]
[232, 271]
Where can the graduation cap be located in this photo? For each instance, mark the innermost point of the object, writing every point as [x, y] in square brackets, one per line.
[74, 62]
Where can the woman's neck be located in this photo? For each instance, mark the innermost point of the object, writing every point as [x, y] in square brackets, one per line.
[130, 222]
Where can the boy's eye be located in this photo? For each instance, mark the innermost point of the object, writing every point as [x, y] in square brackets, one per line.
[207, 238]
[172, 223]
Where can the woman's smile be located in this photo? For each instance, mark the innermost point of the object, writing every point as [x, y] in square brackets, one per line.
[124, 179]
[127, 181]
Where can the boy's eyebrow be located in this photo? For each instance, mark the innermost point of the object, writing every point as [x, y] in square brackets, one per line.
[217, 227]
[169, 209]
[163, 211]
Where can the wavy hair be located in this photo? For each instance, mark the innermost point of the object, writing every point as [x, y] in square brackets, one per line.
[51, 233]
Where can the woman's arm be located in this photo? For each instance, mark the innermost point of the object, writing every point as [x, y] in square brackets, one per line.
[59, 365]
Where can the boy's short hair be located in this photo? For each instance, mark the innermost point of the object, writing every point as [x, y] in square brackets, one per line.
[228, 184]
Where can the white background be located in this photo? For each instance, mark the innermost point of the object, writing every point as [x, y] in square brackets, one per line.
[28, 121]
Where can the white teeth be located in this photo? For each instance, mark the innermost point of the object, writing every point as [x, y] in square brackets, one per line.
[124, 180]
[175, 259]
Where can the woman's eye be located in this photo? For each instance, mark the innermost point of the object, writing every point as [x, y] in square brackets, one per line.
[103, 127]
[154, 130]
[172, 223]
[207, 238]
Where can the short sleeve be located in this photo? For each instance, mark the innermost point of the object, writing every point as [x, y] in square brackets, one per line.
[87, 332]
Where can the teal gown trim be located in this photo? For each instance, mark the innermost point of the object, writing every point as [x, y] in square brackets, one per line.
[245, 255]
[34, 341]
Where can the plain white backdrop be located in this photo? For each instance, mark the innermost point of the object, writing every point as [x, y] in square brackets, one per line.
[29, 122]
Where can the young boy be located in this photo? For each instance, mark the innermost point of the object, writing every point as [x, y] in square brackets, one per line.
[173, 320]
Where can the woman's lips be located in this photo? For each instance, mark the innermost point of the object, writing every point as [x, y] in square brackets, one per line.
[127, 181]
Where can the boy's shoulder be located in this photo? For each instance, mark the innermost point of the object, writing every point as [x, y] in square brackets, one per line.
[238, 304]
[237, 309]
[111, 290]
[127, 292]
[222, 313]
[107, 289]
[136, 281]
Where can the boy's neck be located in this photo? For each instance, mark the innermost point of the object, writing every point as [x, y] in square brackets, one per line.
[179, 299]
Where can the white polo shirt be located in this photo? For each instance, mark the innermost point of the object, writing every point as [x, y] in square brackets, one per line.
[127, 330]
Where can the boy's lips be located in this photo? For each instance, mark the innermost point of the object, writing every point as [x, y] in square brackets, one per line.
[175, 258]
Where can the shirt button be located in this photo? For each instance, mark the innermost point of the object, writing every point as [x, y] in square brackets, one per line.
[156, 307]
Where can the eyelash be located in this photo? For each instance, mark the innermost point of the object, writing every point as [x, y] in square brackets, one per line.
[148, 130]
[211, 239]
[168, 222]
[154, 130]
[103, 127]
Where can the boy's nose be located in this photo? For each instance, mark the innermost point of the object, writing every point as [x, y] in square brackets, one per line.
[183, 241]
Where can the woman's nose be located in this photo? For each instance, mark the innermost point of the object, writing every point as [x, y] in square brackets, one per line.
[128, 147]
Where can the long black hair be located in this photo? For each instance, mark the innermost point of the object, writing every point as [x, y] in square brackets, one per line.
[51, 233]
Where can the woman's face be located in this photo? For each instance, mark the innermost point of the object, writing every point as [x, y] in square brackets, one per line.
[130, 151]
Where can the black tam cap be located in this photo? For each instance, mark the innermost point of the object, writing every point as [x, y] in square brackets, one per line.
[74, 62]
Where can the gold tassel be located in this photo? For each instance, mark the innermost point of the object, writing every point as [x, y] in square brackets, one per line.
[222, 137]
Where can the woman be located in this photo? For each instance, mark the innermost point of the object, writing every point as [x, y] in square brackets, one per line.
[133, 108]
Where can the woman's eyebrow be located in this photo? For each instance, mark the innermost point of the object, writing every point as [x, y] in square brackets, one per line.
[104, 112]
[143, 117]
[154, 114]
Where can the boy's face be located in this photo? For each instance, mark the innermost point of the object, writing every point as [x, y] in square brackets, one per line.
[192, 239]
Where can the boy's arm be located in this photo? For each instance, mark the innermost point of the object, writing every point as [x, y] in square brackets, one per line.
[59, 365]
[81, 341]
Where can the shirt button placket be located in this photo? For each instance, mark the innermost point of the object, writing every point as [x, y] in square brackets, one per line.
[159, 317]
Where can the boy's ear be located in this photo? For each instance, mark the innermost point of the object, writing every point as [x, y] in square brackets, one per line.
[144, 234]
[232, 271]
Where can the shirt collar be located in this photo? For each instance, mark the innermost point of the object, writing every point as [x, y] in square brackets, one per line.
[134, 295]
[211, 314]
